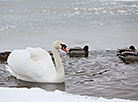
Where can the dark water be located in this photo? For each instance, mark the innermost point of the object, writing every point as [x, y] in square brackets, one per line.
[101, 74]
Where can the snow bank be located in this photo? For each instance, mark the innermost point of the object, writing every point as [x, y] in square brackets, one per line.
[39, 95]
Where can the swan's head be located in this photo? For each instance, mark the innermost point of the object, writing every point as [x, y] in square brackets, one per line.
[60, 45]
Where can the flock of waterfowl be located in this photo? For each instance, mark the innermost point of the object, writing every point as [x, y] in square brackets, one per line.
[73, 52]
[36, 64]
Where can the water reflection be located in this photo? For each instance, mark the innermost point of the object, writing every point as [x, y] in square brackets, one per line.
[45, 86]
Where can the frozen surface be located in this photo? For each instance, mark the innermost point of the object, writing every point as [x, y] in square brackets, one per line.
[37, 95]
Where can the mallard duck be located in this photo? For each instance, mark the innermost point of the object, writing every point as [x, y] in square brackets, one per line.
[129, 59]
[130, 49]
[128, 53]
[79, 52]
[4, 56]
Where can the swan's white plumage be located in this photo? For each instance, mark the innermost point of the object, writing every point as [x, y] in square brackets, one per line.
[32, 64]
[36, 65]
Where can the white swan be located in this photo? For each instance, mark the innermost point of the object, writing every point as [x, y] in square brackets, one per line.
[35, 64]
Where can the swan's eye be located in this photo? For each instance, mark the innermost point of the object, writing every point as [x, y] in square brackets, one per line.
[63, 46]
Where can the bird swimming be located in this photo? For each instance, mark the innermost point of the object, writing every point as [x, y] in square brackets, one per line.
[79, 52]
[130, 49]
[128, 55]
[4, 56]
[36, 65]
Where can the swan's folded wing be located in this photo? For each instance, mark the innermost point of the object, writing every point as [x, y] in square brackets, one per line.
[23, 66]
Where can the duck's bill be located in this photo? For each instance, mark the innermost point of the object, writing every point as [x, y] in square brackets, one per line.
[65, 50]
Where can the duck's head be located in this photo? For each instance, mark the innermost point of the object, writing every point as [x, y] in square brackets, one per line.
[60, 45]
[86, 48]
[132, 48]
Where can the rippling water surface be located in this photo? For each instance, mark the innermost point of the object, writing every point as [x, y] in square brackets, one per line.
[101, 74]
[102, 24]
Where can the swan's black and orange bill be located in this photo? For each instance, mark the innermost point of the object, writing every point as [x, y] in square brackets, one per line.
[64, 48]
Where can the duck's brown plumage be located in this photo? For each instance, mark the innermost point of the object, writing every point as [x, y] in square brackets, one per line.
[79, 52]
[128, 55]
[4, 56]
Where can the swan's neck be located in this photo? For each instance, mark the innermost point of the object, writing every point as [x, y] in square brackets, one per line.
[58, 62]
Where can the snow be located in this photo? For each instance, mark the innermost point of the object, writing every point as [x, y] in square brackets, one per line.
[39, 95]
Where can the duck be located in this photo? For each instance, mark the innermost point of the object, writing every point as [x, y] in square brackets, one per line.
[130, 49]
[129, 59]
[79, 52]
[128, 55]
[4, 56]
[36, 65]
[127, 51]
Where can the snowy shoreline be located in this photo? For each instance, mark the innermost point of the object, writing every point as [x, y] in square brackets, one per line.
[37, 95]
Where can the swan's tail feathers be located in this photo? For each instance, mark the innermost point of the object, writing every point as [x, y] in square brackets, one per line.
[10, 71]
